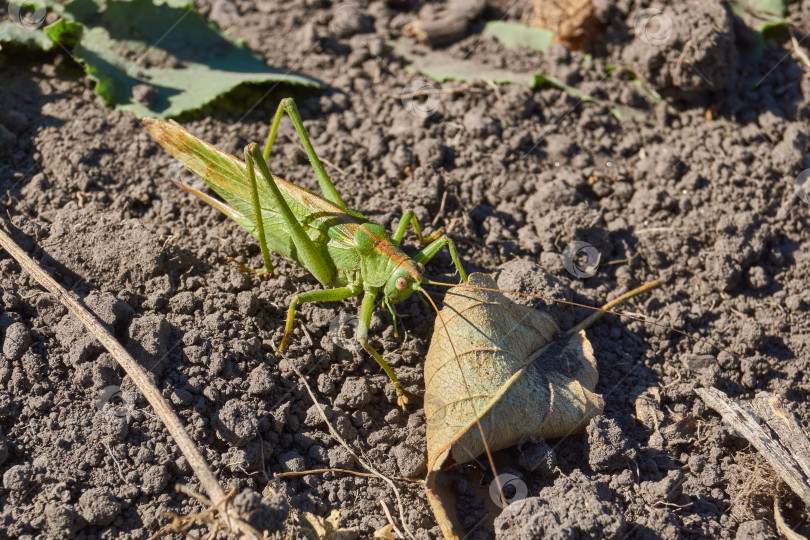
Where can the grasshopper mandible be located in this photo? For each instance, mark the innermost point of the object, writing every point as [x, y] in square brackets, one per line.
[340, 247]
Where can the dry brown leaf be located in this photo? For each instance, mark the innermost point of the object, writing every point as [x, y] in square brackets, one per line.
[572, 21]
[509, 366]
[314, 527]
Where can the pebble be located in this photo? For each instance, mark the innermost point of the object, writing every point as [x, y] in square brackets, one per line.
[355, 394]
[99, 507]
[340, 458]
[291, 462]
[17, 477]
[16, 342]
[412, 463]
[261, 381]
[247, 302]
[608, 448]
[236, 423]
[182, 302]
[155, 480]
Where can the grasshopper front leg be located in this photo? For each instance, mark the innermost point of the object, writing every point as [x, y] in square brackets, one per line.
[328, 295]
[366, 310]
[431, 250]
[408, 218]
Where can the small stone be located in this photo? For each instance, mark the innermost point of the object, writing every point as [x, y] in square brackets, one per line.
[291, 462]
[412, 463]
[348, 20]
[608, 448]
[538, 457]
[247, 302]
[149, 338]
[155, 480]
[314, 418]
[111, 310]
[755, 530]
[261, 381]
[340, 458]
[394, 416]
[236, 423]
[214, 322]
[318, 454]
[573, 507]
[61, 520]
[758, 278]
[480, 124]
[666, 489]
[17, 477]
[355, 394]
[268, 513]
[12, 300]
[181, 396]
[182, 302]
[16, 342]
[99, 507]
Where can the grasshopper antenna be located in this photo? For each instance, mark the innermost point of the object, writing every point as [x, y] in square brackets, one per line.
[607, 308]
[469, 393]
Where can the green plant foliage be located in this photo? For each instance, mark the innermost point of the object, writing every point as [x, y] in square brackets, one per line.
[513, 35]
[443, 67]
[761, 15]
[158, 59]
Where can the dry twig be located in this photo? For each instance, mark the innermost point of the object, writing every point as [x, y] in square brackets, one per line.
[228, 514]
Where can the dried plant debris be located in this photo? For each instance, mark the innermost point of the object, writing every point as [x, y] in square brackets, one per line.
[781, 441]
[573, 22]
[507, 368]
[445, 26]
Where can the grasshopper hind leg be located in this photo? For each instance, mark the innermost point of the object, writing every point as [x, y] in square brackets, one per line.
[267, 271]
[327, 187]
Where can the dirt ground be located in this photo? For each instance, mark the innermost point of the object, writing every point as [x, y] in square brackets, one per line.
[702, 196]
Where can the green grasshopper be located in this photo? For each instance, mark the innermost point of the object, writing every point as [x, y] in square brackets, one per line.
[340, 247]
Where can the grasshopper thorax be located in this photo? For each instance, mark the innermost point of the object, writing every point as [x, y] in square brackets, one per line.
[385, 265]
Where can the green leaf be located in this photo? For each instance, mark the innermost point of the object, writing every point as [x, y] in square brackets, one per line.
[65, 32]
[443, 67]
[166, 53]
[30, 38]
[23, 28]
[512, 35]
[545, 81]
[761, 15]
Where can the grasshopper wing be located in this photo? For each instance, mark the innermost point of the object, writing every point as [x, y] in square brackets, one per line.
[227, 176]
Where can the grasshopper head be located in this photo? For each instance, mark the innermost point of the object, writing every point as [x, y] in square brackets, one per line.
[403, 281]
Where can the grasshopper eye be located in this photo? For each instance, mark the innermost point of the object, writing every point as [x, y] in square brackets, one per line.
[401, 283]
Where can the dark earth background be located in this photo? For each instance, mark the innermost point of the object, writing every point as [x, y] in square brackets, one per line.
[704, 198]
